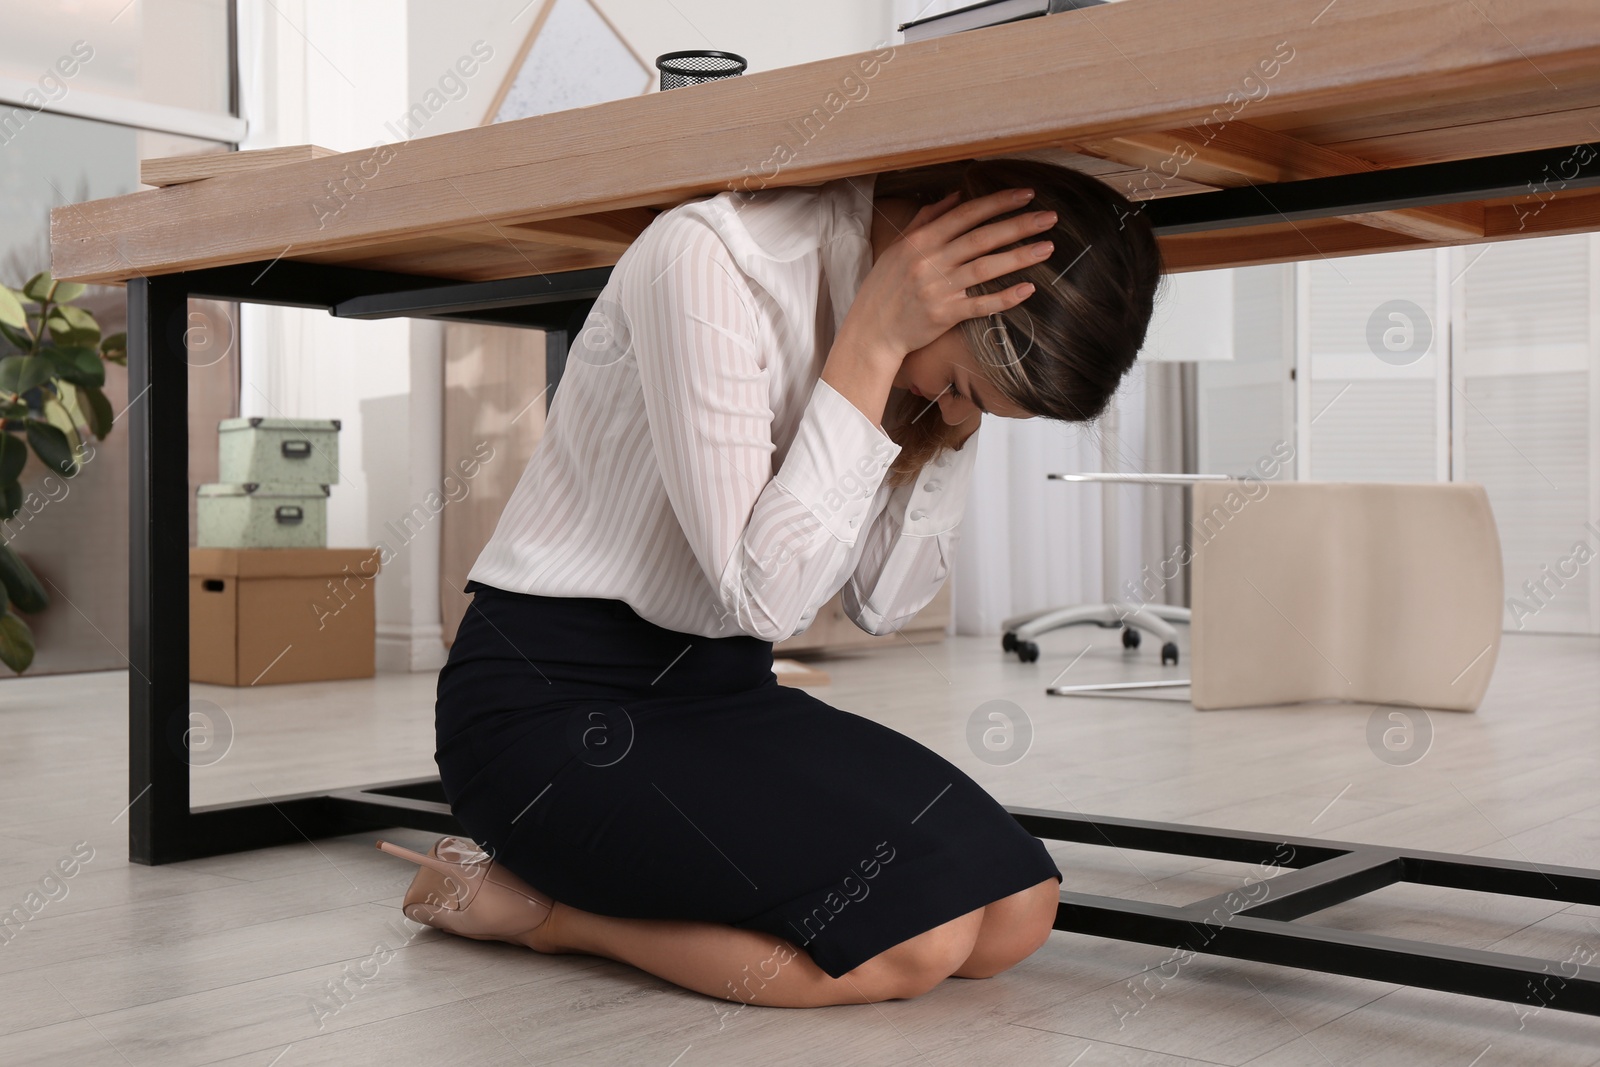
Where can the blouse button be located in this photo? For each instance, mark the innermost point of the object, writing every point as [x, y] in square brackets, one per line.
[932, 486]
[918, 514]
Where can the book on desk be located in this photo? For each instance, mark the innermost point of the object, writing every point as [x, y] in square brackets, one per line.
[987, 13]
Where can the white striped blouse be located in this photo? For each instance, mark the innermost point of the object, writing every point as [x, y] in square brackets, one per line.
[694, 464]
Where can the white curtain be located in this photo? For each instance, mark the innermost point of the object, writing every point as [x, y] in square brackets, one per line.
[1028, 543]
[333, 75]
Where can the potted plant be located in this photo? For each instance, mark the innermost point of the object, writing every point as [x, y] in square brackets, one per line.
[52, 368]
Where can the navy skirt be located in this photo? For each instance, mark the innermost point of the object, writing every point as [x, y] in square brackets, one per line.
[630, 770]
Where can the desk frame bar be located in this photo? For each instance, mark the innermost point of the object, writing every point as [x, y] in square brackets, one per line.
[163, 828]
[1257, 921]
[1536, 173]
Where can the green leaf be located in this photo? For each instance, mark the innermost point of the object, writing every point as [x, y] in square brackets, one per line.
[73, 326]
[16, 642]
[38, 287]
[18, 374]
[72, 416]
[77, 364]
[13, 454]
[11, 313]
[93, 403]
[60, 416]
[66, 292]
[17, 339]
[53, 447]
[10, 500]
[115, 348]
[13, 411]
[20, 584]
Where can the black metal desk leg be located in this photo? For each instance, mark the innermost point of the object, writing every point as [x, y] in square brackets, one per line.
[158, 570]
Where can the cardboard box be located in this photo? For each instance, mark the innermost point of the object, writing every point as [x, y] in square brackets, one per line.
[259, 616]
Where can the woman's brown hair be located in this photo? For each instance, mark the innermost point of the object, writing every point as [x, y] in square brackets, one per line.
[1061, 353]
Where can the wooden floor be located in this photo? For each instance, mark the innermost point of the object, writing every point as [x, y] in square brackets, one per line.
[226, 960]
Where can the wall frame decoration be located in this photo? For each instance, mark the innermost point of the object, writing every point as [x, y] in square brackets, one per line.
[572, 57]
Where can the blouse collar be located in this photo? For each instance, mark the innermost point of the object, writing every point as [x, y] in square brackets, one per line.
[781, 225]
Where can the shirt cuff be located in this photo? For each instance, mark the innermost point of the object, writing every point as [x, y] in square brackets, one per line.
[836, 462]
[939, 495]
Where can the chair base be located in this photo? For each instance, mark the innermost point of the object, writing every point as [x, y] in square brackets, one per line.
[1021, 630]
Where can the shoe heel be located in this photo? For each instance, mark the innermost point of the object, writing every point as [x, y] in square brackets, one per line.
[431, 862]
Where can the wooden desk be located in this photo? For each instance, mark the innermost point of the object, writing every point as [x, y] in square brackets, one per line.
[1255, 131]
[1160, 98]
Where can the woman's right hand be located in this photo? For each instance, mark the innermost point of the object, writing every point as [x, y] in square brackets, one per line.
[916, 290]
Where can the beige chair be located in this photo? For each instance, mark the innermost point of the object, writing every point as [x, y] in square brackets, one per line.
[1365, 592]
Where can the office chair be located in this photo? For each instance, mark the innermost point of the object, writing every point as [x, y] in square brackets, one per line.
[1019, 631]
[1362, 592]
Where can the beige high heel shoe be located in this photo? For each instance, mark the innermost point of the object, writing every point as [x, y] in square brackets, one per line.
[462, 891]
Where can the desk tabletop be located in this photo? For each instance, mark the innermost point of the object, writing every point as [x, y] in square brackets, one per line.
[1156, 97]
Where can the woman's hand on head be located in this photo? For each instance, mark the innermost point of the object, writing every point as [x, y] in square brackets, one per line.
[917, 289]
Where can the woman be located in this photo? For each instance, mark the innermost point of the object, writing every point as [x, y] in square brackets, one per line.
[747, 426]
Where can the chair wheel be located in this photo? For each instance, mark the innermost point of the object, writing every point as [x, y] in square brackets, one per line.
[1169, 653]
[1027, 651]
[1008, 641]
[1130, 637]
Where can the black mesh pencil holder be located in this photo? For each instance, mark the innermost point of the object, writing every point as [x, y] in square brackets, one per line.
[691, 68]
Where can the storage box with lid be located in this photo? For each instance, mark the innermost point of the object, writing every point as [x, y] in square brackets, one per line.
[262, 450]
[262, 616]
[264, 515]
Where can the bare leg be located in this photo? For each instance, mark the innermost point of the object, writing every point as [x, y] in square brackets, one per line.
[757, 968]
[1013, 929]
